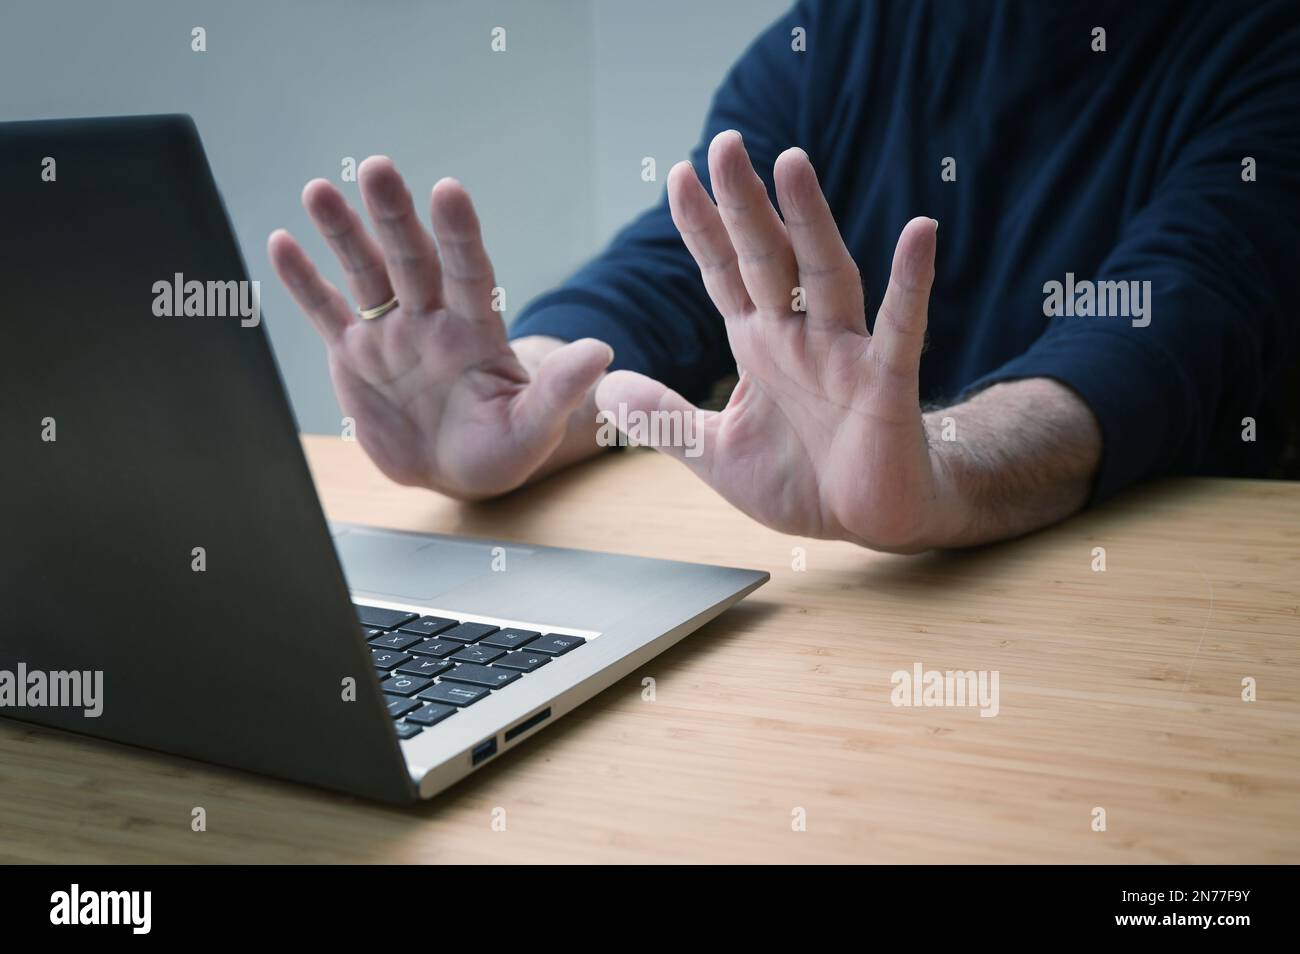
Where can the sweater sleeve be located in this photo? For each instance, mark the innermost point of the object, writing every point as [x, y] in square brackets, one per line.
[1221, 254]
[643, 294]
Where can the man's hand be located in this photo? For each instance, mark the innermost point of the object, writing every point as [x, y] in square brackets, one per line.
[824, 435]
[440, 398]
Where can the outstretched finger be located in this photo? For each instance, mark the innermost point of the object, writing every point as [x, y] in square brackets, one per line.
[899, 332]
[701, 228]
[766, 259]
[467, 271]
[412, 258]
[827, 272]
[357, 251]
[322, 302]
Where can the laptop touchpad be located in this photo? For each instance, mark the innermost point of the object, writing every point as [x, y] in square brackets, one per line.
[414, 568]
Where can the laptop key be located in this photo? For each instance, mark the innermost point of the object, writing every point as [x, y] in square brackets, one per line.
[429, 666]
[403, 685]
[429, 625]
[398, 707]
[436, 647]
[395, 640]
[474, 674]
[381, 618]
[387, 658]
[553, 644]
[468, 632]
[431, 714]
[453, 695]
[369, 632]
[406, 730]
[477, 654]
[510, 638]
[522, 661]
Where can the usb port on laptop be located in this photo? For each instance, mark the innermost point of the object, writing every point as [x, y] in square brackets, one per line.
[484, 750]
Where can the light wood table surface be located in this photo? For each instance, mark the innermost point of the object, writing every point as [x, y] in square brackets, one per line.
[1119, 690]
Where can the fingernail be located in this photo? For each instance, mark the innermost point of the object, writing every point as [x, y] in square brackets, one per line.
[936, 224]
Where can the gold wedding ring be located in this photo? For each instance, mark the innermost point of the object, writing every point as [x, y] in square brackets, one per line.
[369, 314]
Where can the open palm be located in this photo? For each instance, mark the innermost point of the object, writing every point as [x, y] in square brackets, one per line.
[439, 398]
[823, 435]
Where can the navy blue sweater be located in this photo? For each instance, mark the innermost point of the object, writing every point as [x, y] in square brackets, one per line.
[1124, 165]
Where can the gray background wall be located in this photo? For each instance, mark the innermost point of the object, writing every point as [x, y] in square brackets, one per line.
[548, 136]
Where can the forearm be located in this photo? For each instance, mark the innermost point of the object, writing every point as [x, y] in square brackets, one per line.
[1016, 457]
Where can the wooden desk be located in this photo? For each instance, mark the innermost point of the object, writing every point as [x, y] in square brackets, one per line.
[1119, 689]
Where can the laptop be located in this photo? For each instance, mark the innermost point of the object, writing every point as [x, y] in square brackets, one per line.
[164, 548]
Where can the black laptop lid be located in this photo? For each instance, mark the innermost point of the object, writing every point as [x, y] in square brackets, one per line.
[131, 437]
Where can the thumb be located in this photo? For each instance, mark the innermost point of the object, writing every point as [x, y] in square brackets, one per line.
[653, 415]
[564, 377]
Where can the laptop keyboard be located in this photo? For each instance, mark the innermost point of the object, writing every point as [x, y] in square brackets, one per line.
[431, 667]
